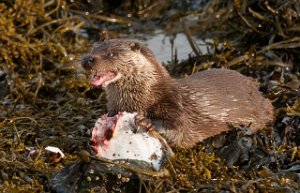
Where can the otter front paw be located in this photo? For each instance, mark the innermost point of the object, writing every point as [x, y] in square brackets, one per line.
[143, 122]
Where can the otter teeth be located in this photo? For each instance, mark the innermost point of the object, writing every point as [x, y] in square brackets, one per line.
[103, 79]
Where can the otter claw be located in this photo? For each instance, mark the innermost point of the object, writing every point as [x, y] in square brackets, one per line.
[146, 123]
[143, 123]
[139, 117]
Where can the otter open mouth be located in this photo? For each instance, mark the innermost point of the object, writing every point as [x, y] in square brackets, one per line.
[103, 79]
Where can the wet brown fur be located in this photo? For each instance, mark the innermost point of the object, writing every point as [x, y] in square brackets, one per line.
[187, 110]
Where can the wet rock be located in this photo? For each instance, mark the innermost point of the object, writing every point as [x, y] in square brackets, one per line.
[3, 84]
[242, 147]
[83, 176]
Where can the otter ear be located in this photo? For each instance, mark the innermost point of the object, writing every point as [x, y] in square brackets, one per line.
[134, 46]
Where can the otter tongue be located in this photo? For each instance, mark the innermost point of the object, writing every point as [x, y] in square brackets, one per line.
[98, 80]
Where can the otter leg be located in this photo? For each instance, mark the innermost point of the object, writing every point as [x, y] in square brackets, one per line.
[143, 123]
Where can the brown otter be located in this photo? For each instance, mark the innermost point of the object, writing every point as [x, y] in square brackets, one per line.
[187, 110]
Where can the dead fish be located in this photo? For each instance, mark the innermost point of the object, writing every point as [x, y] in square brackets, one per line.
[116, 138]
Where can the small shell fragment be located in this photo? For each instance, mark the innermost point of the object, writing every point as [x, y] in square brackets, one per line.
[55, 150]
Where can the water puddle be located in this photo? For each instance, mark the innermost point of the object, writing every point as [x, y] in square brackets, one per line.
[162, 47]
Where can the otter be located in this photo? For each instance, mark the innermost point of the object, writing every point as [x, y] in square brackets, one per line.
[185, 111]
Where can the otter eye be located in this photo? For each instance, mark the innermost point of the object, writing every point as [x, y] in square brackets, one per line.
[91, 60]
[110, 54]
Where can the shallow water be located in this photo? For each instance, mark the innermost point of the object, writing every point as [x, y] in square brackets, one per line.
[161, 46]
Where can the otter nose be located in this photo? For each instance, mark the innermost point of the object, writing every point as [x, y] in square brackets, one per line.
[87, 62]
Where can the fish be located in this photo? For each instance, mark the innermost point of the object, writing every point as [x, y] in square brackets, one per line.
[117, 138]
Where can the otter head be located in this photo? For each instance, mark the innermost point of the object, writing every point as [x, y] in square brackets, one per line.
[119, 62]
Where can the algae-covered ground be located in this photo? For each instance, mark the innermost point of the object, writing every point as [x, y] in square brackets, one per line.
[46, 100]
